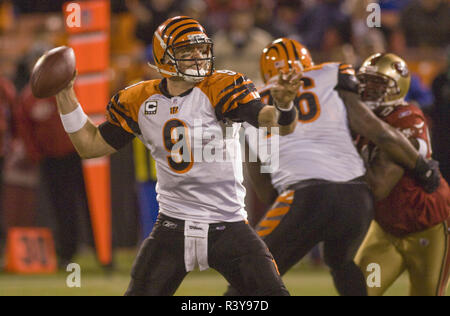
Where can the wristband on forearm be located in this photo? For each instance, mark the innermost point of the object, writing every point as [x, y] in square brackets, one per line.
[286, 115]
[75, 120]
[426, 172]
[421, 170]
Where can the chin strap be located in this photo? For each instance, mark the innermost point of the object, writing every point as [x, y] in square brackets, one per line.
[165, 72]
[175, 74]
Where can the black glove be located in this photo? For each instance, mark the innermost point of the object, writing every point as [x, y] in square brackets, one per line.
[427, 174]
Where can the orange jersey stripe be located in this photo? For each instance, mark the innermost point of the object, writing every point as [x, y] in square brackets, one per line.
[227, 89]
[123, 109]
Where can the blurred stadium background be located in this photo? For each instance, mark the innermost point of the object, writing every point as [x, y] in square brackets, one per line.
[102, 230]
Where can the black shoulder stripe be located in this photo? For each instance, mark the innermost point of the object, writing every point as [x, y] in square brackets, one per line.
[117, 102]
[226, 97]
[109, 108]
[134, 126]
[237, 82]
[240, 97]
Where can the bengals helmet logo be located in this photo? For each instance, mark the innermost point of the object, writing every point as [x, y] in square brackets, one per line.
[401, 68]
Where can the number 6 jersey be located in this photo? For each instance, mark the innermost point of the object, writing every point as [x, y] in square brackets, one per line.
[194, 140]
[321, 147]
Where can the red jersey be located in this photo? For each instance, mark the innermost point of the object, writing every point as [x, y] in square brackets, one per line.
[408, 208]
[40, 127]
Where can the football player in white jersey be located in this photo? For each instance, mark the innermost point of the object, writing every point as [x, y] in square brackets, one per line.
[202, 217]
[322, 195]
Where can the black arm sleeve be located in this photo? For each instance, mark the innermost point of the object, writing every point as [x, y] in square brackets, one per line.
[247, 112]
[347, 81]
[114, 135]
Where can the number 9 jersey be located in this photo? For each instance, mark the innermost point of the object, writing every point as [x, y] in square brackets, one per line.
[194, 140]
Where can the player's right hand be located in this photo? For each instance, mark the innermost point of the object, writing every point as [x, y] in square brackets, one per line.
[68, 91]
[427, 174]
[286, 88]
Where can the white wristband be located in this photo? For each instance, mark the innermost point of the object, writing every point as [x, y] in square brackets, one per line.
[75, 120]
[291, 105]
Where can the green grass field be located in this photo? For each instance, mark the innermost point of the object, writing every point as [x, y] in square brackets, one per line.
[303, 280]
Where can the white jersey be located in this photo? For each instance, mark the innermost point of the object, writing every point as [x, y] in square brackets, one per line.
[191, 185]
[321, 146]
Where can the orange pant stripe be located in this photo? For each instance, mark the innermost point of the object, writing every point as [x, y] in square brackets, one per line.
[270, 226]
[277, 212]
[287, 197]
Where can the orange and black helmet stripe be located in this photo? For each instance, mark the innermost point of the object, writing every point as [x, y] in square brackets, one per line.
[288, 48]
[172, 22]
[178, 27]
[283, 54]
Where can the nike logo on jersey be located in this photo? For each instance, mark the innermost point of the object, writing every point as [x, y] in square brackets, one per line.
[174, 110]
[404, 114]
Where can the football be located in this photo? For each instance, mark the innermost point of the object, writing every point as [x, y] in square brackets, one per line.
[53, 72]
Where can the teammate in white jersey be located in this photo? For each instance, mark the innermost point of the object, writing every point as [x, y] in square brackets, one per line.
[319, 182]
[202, 220]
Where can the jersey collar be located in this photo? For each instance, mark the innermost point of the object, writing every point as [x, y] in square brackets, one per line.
[165, 92]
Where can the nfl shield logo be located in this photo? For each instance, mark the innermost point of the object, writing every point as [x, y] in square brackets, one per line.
[150, 107]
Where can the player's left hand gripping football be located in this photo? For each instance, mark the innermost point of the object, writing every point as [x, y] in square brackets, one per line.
[427, 174]
[286, 88]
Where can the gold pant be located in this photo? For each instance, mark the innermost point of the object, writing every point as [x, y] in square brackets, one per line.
[425, 255]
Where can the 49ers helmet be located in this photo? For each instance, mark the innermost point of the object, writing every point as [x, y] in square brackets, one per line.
[283, 54]
[384, 80]
[177, 33]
